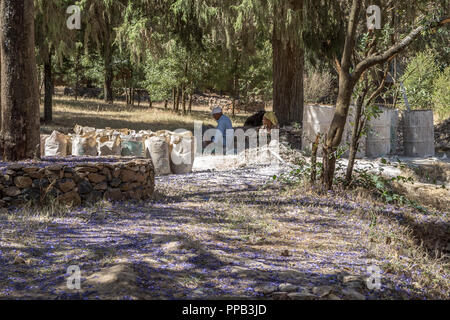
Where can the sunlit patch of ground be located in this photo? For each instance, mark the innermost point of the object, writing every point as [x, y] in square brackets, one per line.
[95, 113]
[223, 234]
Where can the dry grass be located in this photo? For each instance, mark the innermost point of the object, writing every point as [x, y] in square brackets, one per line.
[414, 247]
[411, 244]
[406, 255]
[434, 196]
[318, 87]
[95, 113]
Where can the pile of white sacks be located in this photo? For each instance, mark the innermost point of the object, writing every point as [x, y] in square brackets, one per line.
[170, 152]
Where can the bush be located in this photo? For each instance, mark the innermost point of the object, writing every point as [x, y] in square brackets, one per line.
[318, 87]
[418, 80]
[441, 94]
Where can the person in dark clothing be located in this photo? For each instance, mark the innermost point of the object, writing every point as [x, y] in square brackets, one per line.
[255, 120]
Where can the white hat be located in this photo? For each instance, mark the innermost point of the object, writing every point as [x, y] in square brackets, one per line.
[216, 110]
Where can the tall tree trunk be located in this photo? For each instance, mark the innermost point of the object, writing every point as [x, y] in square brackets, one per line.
[19, 87]
[288, 65]
[180, 93]
[315, 147]
[235, 85]
[183, 88]
[336, 130]
[1, 41]
[347, 83]
[177, 99]
[174, 97]
[354, 144]
[40, 82]
[107, 56]
[190, 103]
[131, 81]
[48, 85]
[128, 96]
[77, 73]
[183, 99]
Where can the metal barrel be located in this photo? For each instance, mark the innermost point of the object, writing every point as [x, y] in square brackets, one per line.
[418, 133]
[378, 141]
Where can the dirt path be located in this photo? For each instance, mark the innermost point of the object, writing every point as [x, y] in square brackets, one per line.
[208, 234]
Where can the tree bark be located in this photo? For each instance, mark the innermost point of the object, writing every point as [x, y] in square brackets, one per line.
[1, 112]
[19, 87]
[107, 56]
[346, 85]
[334, 136]
[77, 73]
[132, 88]
[183, 99]
[288, 65]
[174, 97]
[177, 99]
[184, 86]
[315, 147]
[235, 85]
[354, 144]
[190, 103]
[48, 89]
[360, 121]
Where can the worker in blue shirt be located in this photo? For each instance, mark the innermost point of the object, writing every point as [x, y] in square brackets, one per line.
[223, 124]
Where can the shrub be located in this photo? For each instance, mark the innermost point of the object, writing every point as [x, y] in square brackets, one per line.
[418, 80]
[318, 87]
[441, 94]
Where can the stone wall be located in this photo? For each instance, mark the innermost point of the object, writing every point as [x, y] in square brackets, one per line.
[76, 183]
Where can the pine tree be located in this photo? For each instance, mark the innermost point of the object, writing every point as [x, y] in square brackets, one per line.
[52, 39]
[101, 18]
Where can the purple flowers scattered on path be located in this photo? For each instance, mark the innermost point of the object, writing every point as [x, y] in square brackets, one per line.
[185, 244]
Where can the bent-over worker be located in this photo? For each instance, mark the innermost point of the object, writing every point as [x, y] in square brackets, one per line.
[223, 124]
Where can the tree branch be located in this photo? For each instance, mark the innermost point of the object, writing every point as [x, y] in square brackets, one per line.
[350, 37]
[380, 87]
[392, 51]
[337, 65]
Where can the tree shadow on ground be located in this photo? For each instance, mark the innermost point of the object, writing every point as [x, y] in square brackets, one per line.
[168, 264]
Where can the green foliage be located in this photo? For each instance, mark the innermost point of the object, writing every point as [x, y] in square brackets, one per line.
[93, 65]
[441, 94]
[162, 74]
[367, 178]
[380, 186]
[51, 35]
[256, 74]
[427, 87]
[419, 80]
[300, 174]
[226, 45]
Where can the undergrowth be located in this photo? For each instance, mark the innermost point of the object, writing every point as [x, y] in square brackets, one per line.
[374, 182]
